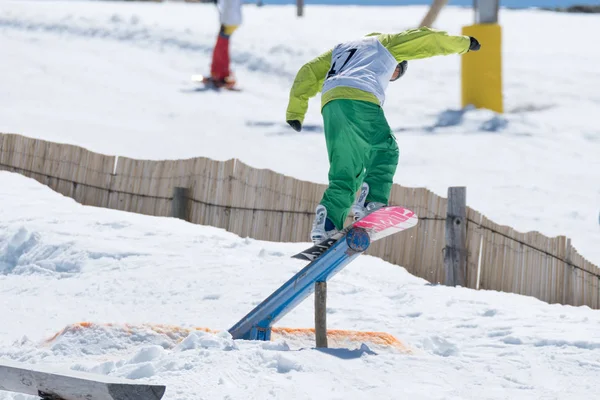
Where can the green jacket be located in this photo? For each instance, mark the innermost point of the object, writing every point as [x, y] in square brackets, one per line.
[412, 44]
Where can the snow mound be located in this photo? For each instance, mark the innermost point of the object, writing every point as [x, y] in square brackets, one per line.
[96, 339]
[345, 339]
[25, 252]
[86, 338]
[148, 352]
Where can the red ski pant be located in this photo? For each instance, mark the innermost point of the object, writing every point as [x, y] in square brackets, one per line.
[219, 68]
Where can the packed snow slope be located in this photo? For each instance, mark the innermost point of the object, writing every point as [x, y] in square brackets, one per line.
[62, 263]
[114, 77]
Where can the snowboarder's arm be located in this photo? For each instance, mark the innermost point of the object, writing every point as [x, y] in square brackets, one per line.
[424, 42]
[307, 84]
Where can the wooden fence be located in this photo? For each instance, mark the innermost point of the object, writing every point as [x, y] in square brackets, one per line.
[265, 205]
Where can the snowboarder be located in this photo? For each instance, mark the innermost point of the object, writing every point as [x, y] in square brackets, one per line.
[362, 149]
[230, 16]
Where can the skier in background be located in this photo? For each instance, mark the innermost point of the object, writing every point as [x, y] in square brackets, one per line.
[230, 16]
[362, 149]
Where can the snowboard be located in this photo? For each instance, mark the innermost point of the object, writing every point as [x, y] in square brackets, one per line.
[380, 223]
[208, 82]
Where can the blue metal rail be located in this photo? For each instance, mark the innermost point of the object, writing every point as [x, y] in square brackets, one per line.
[256, 325]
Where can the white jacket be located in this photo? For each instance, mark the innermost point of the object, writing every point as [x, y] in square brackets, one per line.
[230, 12]
[362, 64]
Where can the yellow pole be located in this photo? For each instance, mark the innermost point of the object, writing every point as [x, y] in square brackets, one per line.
[482, 70]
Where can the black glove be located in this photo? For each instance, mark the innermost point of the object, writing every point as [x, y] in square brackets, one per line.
[295, 124]
[474, 45]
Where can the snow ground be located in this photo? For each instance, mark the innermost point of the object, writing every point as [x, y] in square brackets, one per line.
[78, 263]
[114, 77]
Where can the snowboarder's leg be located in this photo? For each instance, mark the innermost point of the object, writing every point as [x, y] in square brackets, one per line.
[230, 17]
[382, 162]
[347, 150]
[219, 69]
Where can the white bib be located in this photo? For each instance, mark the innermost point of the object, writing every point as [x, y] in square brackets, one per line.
[230, 12]
[362, 64]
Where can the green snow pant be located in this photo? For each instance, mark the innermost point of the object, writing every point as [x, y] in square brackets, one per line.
[361, 148]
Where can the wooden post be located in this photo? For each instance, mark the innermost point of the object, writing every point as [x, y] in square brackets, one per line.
[455, 256]
[433, 12]
[569, 297]
[179, 205]
[321, 313]
[300, 7]
[486, 11]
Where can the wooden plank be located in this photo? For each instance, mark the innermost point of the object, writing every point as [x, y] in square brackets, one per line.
[273, 229]
[63, 185]
[122, 183]
[553, 285]
[73, 170]
[516, 258]
[197, 184]
[594, 292]
[541, 273]
[45, 381]
[8, 157]
[582, 275]
[7, 152]
[499, 249]
[487, 247]
[551, 270]
[473, 245]
[409, 255]
[497, 244]
[2, 136]
[176, 177]
[502, 257]
[508, 266]
[150, 173]
[206, 193]
[39, 155]
[420, 269]
[559, 249]
[529, 265]
[429, 269]
[87, 165]
[536, 273]
[578, 290]
[546, 268]
[289, 219]
[587, 286]
[134, 185]
[237, 220]
[162, 187]
[569, 276]
[434, 249]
